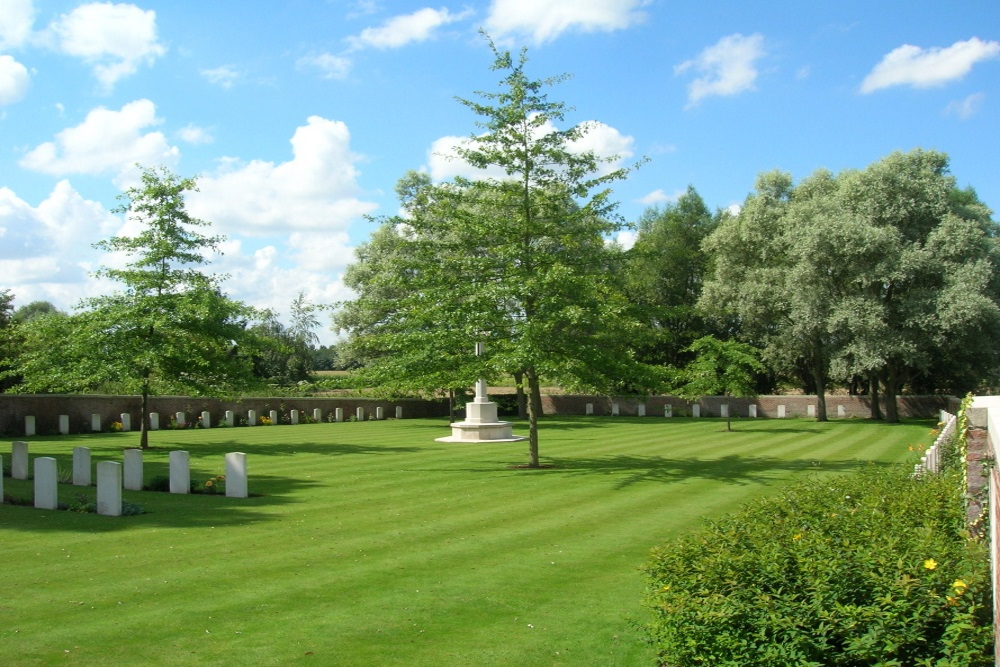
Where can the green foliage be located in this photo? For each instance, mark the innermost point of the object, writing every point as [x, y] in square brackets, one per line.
[871, 568]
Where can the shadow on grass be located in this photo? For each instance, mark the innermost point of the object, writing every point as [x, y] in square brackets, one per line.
[733, 469]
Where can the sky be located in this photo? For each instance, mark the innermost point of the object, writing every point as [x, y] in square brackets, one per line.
[299, 117]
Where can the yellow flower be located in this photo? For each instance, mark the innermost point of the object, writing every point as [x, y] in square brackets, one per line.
[930, 564]
[221, 478]
[959, 586]
[208, 483]
[797, 536]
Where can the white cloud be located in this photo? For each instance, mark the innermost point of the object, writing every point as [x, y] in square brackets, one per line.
[626, 238]
[224, 75]
[47, 250]
[727, 68]
[545, 20]
[195, 135]
[316, 190]
[659, 196]
[910, 65]
[16, 20]
[106, 141]
[967, 108]
[13, 80]
[606, 142]
[405, 29]
[115, 39]
[331, 66]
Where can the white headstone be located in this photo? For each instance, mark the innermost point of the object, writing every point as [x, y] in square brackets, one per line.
[236, 475]
[668, 410]
[126, 421]
[133, 469]
[810, 411]
[399, 412]
[180, 472]
[724, 410]
[695, 410]
[318, 415]
[841, 411]
[109, 488]
[752, 411]
[206, 419]
[252, 418]
[95, 423]
[781, 412]
[181, 419]
[379, 413]
[81, 466]
[46, 487]
[29, 425]
[154, 421]
[295, 417]
[63, 424]
[614, 408]
[641, 409]
[338, 414]
[19, 460]
[274, 417]
[230, 418]
[360, 414]
[590, 408]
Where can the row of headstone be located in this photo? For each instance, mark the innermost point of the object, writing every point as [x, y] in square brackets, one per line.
[668, 410]
[295, 417]
[112, 477]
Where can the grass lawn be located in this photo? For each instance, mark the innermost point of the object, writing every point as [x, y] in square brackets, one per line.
[371, 544]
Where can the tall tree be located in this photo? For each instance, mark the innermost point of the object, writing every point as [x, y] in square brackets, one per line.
[170, 326]
[8, 338]
[517, 256]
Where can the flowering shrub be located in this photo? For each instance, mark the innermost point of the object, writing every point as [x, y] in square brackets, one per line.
[215, 484]
[871, 568]
[264, 421]
[115, 427]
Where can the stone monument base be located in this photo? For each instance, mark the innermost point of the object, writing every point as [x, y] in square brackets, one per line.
[481, 425]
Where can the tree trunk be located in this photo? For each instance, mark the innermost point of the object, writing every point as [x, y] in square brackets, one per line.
[522, 404]
[873, 394]
[534, 410]
[451, 406]
[891, 390]
[144, 419]
[820, 375]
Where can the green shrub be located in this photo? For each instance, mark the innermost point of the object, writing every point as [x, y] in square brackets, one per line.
[869, 568]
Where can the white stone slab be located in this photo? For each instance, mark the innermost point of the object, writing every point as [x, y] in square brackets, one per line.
[318, 414]
[230, 418]
[236, 475]
[29, 425]
[360, 416]
[379, 413]
[295, 417]
[810, 411]
[614, 409]
[63, 424]
[752, 411]
[180, 472]
[781, 412]
[81, 466]
[19, 460]
[126, 421]
[695, 410]
[154, 421]
[641, 409]
[668, 410]
[133, 469]
[338, 414]
[841, 411]
[724, 410]
[109, 488]
[206, 419]
[181, 419]
[46, 483]
[274, 418]
[399, 412]
[252, 418]
[590, 408]
[95, 423]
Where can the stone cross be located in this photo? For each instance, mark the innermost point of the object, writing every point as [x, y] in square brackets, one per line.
[481, 383]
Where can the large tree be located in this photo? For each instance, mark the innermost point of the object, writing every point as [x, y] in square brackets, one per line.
[170, 328]
[516, 256]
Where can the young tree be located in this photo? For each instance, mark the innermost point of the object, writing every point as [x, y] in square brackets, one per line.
[720, 368]
[515, 258]
[170, 327]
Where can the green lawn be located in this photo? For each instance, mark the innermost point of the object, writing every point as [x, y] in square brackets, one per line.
[371, 544]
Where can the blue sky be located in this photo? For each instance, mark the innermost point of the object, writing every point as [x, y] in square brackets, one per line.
[299, 117]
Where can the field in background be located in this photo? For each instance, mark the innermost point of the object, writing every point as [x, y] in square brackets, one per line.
[371, 544]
